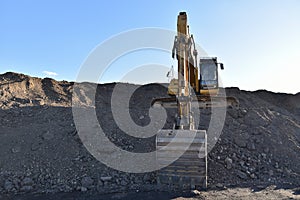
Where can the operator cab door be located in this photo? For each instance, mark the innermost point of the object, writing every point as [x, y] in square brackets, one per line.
[208, 75]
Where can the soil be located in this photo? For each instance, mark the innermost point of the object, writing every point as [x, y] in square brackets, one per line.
[257, 155]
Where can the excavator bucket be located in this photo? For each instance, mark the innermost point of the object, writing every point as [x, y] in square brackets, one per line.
[201, 101]
[182, 158]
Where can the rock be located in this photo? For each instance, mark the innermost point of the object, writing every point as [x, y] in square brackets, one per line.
[99, 186]
[138, 180]
[27, 181]
[233, 113]
[219, 185]
[83, 189]
[67, 188]
[251, 146]
[106, 178]
[228, 162]
[240, 142]
[48, 136]
[123, 183]
[234, 156]
[242, 163]
[26, 188]
[35, 146]
[264, 156]
[16, 183]
[261, 187]
[8, 185]
[266, 150]
[87, 182]
[253, 176]
[147, 178]
[16, 149]
[100, 183]
[242, 175]
[196, 192]
[78, 188]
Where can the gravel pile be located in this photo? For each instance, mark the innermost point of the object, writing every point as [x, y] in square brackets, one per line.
[41, 151]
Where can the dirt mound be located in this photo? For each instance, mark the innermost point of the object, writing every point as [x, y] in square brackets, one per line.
[19, 90]
[41, 150]
[260, 142]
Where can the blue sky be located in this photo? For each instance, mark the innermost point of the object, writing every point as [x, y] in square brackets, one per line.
[258, 40]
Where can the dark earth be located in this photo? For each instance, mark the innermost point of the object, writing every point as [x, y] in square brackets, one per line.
[257, 155]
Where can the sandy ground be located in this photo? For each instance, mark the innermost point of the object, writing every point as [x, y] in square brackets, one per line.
[226, 194]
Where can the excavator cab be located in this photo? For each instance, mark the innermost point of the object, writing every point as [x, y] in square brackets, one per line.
[209, 81]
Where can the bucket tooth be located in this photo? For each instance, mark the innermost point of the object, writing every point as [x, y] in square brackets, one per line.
[181, 156]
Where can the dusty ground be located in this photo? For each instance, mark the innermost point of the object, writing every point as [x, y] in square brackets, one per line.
[257, 155]
[226, 194]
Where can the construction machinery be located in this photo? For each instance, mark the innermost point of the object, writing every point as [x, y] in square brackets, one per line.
[188, 169]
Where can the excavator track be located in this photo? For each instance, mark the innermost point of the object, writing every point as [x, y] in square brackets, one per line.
[185, 150]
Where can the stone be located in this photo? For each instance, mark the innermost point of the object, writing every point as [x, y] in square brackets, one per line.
[266, 150]
[271, 173]
[253, 176]
[8, 185]
[16, 149]
[242, 163]
[196, 192]
[26, 188]
[147, 178]
[123, 183]
[242, 175]
[48, 136]
[228, 162]
[100, 183]
[240, 142]
[16, 183]
[87, 182]
[251, 146]
[106, 178]
[27, 181]
[138, 180]
[233, 113]
[35, 146]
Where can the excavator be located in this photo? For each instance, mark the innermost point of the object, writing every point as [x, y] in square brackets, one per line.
[182, 151]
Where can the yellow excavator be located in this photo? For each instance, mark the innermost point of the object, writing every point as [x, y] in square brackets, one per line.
[188, 169]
